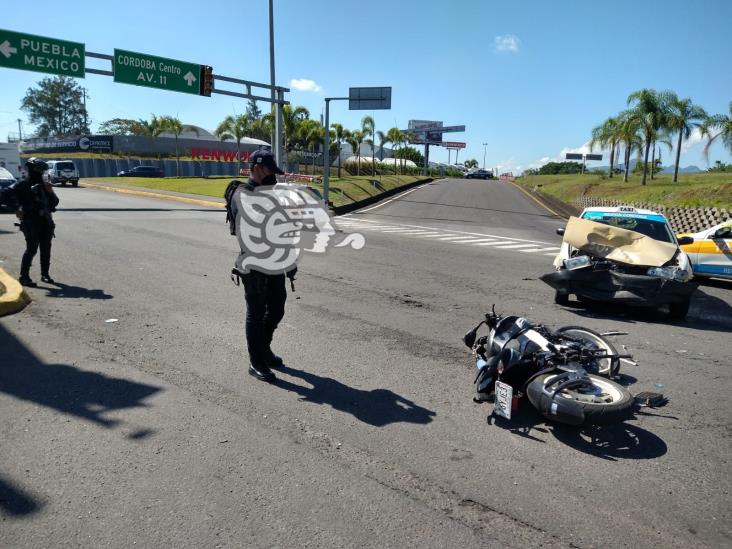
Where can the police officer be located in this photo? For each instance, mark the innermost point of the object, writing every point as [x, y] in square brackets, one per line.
[35, 201]
[265, 294]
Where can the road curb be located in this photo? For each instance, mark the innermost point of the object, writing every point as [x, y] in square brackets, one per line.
[543, 203]
[149, 194]
[15, 298]
[347, 208]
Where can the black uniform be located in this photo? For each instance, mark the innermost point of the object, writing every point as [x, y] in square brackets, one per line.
[37, 224]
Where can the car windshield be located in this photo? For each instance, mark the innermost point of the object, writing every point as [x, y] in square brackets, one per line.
[652, 226]
[65, 166]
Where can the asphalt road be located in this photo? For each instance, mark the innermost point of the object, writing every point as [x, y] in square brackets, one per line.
[148, 430]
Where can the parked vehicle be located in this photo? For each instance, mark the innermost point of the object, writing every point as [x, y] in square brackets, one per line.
[623, 255]
[566, 374]
[10, 159]
[62, 172]
[479, 174]
[6, 180]
[142, 171]
[711, 252]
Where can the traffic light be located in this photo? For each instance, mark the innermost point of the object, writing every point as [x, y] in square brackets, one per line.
[206, 80]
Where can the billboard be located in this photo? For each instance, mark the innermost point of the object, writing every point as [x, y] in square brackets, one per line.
[67, 144]
[421, 137]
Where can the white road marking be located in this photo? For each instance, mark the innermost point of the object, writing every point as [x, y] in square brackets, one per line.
[515, 246]
[455, 238]
[539, 250]
[495, 243]
[393, 199]
[437, 234]
[475, 240]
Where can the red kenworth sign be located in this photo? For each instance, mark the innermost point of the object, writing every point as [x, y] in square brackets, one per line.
[219, 155]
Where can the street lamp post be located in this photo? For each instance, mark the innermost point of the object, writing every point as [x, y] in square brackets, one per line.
[484, 150]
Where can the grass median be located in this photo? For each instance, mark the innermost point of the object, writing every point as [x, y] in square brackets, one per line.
[343, 190]
[701, 190]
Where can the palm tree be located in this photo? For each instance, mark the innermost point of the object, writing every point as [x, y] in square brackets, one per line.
[723, 123]
[234, 127]
[383, 140]
[311, 134]
[173, 125]
[629, 133]
[368, 127]
[339, 135]
[683, 117]
[292, 117]
[355, 139]
[472, 163]
[396, 137]
[607, 134]
[649, 111]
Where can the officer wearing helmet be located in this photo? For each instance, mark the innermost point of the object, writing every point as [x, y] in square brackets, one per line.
[35, 201]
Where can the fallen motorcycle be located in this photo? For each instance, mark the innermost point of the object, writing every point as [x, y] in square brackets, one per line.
[565, 373]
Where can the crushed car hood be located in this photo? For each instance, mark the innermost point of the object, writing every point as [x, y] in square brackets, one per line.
[615, 244]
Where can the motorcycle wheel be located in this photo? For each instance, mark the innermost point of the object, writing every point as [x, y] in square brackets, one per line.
[593, 340]
[602, 400]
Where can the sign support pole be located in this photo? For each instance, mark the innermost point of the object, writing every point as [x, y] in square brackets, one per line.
[326, 152]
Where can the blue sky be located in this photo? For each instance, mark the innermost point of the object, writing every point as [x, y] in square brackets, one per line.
[528, 77]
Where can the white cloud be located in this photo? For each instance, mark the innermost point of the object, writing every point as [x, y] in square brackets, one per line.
[694, 139]
[303, 84]
[507, 42]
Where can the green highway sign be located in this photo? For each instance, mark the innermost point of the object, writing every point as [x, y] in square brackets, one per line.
[151, 71]
[41, 54]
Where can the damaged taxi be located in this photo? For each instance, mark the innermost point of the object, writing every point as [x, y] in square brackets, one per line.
[623, 255]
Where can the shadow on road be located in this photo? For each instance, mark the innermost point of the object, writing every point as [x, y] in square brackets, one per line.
[65, 388]
[141, 209]
[59, 289]
[611, 442]
[707, 313]
[376, 407]
[15, 502]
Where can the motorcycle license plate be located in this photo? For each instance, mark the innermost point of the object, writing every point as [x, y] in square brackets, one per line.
[504, 399]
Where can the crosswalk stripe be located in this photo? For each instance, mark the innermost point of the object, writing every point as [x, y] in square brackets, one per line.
[516, 246]
[540, 250]
[437, 234]
[402, 231]
[455, 238]
[495, 243]
[475, 240]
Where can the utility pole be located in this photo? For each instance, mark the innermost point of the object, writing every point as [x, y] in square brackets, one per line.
[20, 131]
[277, 141]
[484, 150]
[86, 120]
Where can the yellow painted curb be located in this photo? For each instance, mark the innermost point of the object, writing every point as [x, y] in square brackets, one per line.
[539, 202]
[206, 203]
[14, 298]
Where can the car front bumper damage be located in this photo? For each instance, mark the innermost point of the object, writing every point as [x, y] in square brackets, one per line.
[611, 285]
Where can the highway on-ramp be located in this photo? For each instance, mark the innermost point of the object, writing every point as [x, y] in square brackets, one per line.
[129, 417]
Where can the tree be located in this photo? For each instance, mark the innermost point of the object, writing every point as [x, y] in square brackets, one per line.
[720, 122]
[122, 126]
[410, 153]
[629, 133]
[368, 127]
[292, 117]
[339, 136]
[172, 125]
[554, 168]
[233, 127]
[383, 140]
[396, 137]
[607, 134]
[683, 117]
[57, 106]
[649, 111]
[354, 139]
[311, 135]
[253, 110]
[472, 163]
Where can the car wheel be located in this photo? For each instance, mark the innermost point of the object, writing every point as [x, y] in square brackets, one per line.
[74, 183]
[678, 311]
[561, 298]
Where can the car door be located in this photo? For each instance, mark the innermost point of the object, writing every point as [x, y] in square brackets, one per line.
[715, 253]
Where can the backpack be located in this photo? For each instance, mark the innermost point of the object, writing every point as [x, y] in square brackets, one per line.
[229, 195]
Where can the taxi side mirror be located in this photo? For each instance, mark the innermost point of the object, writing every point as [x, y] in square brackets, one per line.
[686, 240]
[560, 231]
